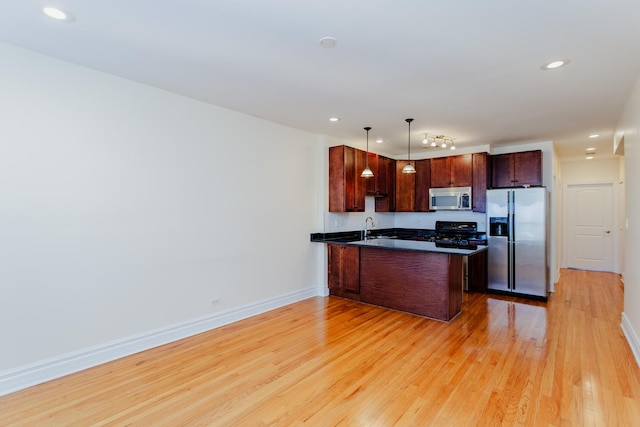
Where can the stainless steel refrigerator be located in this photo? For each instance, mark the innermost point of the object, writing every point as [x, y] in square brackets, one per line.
[518, 224]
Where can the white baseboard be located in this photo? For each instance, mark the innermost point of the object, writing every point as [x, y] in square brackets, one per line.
[632, 337]
[46, 370]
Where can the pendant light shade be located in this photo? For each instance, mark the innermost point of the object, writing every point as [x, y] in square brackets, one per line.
[367, 173]
[409, 167]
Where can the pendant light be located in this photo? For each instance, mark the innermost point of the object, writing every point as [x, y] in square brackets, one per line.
[367, 173]
[409, 168]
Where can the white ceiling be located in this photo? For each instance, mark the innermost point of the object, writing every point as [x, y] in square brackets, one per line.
[466, 69]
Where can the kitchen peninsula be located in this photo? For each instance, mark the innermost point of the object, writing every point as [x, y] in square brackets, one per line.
[400, 269]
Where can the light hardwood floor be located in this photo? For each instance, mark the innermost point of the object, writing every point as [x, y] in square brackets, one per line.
[328, 362]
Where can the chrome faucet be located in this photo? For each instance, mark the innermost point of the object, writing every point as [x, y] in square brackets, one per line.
[365, 232]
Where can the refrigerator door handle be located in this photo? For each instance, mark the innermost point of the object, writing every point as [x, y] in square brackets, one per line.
[513, 266]
[512, 241]
[509, 258]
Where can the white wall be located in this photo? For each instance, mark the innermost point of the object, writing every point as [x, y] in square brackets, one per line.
[127, 209]
[591, 171]
[629, 126]
[557, 202]
[622, 214]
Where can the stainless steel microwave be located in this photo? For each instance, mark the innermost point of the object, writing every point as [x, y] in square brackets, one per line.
[450, 199]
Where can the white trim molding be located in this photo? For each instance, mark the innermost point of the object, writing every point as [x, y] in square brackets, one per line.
[46, 370]
[632, 337]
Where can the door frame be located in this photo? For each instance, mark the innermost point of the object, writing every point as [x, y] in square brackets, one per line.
[615, 227]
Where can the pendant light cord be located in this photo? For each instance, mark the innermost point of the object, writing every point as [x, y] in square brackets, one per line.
[409, 140]
[367, 129]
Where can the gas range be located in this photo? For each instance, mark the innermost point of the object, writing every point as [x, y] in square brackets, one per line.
[461, 235]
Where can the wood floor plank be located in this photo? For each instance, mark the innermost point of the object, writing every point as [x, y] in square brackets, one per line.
[329, 361]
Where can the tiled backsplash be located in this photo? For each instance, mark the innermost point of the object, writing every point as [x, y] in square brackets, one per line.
[336, 222]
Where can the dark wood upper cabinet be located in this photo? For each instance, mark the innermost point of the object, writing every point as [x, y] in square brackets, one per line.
[382, 178]
[452, 171]
[378, 184]
[461, 170]
[516, 169]
[480, 182]
[360, 182]
[440, 172]
[372, 183]
[528, 168]
[502, 171]
[405, 188]
[346, 187]
[423, 181]
[386, 184]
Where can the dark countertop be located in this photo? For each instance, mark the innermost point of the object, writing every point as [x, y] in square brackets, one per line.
[395, 239]
[412, 245]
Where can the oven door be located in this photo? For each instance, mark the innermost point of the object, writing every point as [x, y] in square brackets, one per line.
[443, 199]
[450, 199]
[444, 202]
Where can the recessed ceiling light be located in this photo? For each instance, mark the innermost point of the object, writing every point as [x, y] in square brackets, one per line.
[379, 140]
[328, 42]
[555, 64]
[589, 157]
[595, 135]
[591, 149]
[334, 119]
[58, 14]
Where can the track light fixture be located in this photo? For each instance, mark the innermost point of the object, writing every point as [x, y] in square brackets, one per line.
[438, 141]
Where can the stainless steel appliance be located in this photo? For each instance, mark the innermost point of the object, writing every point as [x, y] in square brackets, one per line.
[450, 199]
[518, 223]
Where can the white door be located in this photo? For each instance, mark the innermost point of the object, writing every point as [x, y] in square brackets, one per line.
[589, 226]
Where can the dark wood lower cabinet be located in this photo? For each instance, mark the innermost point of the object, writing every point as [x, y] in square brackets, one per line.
[344, 271]
[477, 272]
[424, 283]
